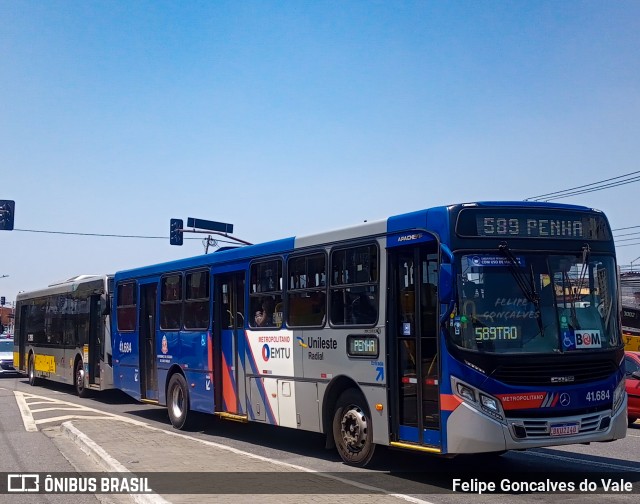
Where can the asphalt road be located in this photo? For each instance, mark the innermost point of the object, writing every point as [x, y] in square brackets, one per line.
[422, 477]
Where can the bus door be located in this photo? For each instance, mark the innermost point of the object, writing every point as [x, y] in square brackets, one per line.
[413, 330]
[147, 342]
[22, 336]
[96, 332]
[229, 343]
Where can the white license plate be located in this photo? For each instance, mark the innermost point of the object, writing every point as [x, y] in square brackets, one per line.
[565, 429]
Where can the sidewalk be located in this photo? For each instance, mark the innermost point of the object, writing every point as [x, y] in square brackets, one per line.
[224, 473]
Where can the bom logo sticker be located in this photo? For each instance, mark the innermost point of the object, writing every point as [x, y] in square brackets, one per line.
[588, 339]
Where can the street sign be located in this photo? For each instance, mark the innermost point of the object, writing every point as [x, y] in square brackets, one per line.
[222, 227]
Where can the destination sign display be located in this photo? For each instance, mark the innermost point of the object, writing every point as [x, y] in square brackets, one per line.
[362, 346]
[522, 223]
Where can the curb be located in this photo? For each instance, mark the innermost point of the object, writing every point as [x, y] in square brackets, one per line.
[106, 461]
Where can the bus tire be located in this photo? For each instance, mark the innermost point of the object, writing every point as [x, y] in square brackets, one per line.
[31, 371]
[352, 429]
[78, 380]
[178, 401]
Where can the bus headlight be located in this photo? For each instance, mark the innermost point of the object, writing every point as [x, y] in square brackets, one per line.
[480, 401]
[466, 392]
[489, 402]
[618, 395]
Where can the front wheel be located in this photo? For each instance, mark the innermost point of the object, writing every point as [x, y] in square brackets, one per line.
[81, 390]
[352, 429]
[31, 371]
[178, 401]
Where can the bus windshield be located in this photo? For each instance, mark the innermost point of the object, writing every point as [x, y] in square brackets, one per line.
[531, 303]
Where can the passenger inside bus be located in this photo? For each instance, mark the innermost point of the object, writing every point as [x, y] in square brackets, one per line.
[264, 317]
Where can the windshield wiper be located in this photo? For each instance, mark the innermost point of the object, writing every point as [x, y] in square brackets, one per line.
[526, 282]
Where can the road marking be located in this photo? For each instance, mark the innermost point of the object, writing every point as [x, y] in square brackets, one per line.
[237, 451]
[604, 465]
[41, 410]
[74, 417]
[27, 418]
[26, 400]
[92, 449]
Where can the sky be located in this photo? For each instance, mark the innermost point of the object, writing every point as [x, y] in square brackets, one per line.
[290, 118]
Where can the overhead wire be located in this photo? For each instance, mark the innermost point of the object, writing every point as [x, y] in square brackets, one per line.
[587, 188]
[106, 235]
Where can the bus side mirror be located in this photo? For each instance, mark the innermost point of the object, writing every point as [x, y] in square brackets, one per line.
[444, 284]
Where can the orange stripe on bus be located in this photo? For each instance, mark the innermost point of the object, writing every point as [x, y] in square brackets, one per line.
[228, 392]
[210, 355]
[449, 402]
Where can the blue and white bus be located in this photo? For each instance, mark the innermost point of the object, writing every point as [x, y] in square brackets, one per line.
[470, 328]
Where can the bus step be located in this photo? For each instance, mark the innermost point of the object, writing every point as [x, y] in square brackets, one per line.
[412, 446]
[232, 416]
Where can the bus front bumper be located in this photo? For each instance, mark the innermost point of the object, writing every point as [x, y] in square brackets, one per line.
[471, 431]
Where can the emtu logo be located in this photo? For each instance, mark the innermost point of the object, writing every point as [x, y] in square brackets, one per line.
[266, 352]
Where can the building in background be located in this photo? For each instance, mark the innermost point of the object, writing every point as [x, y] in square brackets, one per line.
[7, 318]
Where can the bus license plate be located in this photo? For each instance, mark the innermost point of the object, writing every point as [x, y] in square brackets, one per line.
[567, 429]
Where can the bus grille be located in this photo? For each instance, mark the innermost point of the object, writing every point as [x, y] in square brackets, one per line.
[535, 429]
[560, 373]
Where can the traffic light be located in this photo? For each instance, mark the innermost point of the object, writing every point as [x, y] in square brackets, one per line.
[3, 300]
[7, 210]
[175, 232]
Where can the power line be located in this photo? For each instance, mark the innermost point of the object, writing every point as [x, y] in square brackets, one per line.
[627, 234]
[628, 227]
[91, 234]
[582, 189]
[105, 235]
[627, 245]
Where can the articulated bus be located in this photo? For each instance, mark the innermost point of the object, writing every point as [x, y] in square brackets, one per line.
[63, 333]
[470, 328]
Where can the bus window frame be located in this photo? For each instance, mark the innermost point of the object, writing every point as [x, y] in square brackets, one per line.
[120, 307]
[164, 303]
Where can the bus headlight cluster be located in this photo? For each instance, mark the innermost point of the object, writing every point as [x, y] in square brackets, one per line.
[618, 395]
[481, 401]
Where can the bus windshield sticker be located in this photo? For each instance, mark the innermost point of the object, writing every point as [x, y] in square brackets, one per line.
[588, 338]
[494, 261]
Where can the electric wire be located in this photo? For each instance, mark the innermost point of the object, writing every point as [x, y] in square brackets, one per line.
[582, 189]
[106, 235]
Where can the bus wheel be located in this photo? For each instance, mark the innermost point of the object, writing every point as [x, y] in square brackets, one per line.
[178, 401]
[31, 372]
[352, 429]
[78, 380]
